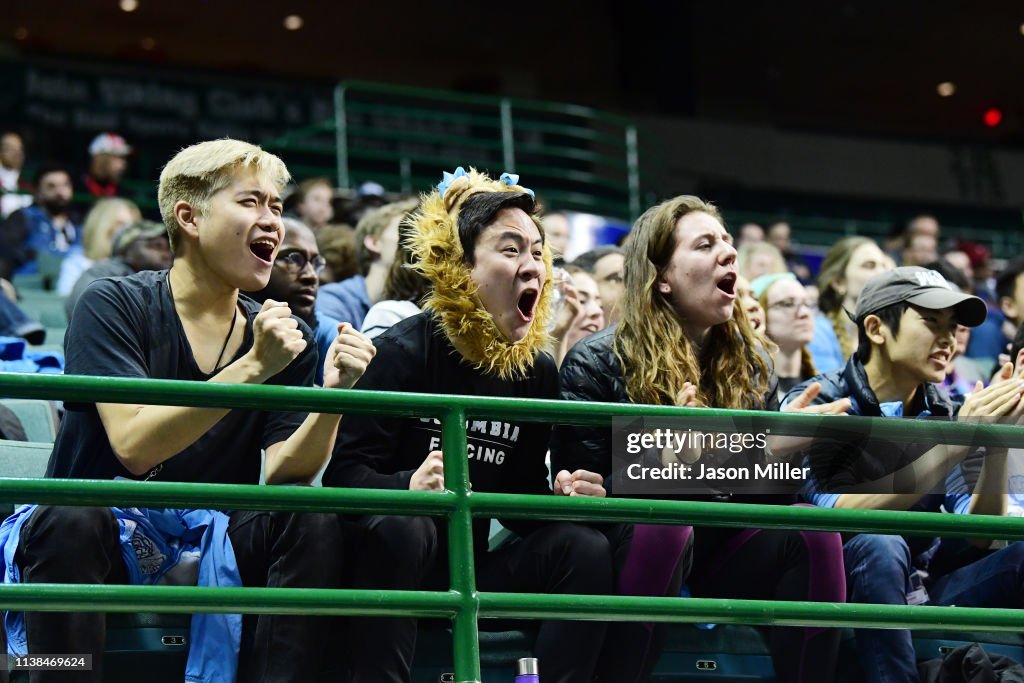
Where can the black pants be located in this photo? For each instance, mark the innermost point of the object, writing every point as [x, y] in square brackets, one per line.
[272, 549]
[777, 564]
[403, 553]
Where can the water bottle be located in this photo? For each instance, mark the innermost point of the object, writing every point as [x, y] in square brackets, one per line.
[527, 671]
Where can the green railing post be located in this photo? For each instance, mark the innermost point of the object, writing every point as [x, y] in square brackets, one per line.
[507, 136]
[465, 640]
[341, 135]
[633, 171]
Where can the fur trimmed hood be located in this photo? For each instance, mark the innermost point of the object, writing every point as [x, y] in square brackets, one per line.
[454, 301]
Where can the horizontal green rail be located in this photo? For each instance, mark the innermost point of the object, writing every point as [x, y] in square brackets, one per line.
[485, 100]
[741, 516]
[169, 494]
[60, 597]
[751, 612]
[338, 602]
[175, 392]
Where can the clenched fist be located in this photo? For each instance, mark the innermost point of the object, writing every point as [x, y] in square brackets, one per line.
[430, 475]
[277, 340]
[350, 353]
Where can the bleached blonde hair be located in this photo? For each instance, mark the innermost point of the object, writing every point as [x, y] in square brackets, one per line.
[198, 172]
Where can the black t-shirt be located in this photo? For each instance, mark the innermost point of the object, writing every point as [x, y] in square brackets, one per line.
[383, 452]
[127, 327]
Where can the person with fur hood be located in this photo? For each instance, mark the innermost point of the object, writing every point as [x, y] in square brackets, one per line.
[483, 332]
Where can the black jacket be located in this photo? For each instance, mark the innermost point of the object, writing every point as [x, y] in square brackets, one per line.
[592, 372]
[859, 457]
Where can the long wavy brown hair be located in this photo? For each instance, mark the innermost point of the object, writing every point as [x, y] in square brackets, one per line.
[830, 298]
[651, 344]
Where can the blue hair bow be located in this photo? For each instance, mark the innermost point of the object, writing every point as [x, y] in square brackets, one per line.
[448, 178]
[513, 179]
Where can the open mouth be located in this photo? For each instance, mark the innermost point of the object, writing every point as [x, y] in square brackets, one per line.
[263, 248]
[940, 358]
[590, 328]
[526, 303]
[728, 284]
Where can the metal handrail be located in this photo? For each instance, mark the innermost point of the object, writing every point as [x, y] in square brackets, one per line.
[462, 603]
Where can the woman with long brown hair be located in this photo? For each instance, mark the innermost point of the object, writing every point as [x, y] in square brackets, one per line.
[685, 341]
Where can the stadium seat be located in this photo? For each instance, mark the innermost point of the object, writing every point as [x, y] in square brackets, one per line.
[36, 416]
[155, 643]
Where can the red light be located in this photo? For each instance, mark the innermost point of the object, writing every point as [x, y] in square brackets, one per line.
[993, 117]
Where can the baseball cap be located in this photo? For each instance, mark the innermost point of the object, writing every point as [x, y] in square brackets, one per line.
[139, 230]
[920, 287]
[109, 143]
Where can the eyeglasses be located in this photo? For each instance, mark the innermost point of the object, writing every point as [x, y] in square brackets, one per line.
[295, 261]
[792, 305]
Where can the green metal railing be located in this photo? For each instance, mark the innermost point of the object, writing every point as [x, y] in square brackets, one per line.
[463, 603]
[574, 157]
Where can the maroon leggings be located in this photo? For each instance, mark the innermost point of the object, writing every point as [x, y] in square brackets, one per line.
[756, 564]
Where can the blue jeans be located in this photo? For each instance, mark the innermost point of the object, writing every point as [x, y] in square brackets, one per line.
[878, 572]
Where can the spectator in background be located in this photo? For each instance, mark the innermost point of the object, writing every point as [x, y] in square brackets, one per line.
[605, 265]
[311, 202]
[923, 224]
[47, 227]
[578, 314]
[556, 231]
[812, 297]
[962, 262]
[750, 233]
[749, 303]
[108, 161]
[988, 340]
[919, 249]
[404, 288]
[15, 193]
[759, 258]
[137, 247]
[14, 322]
[368, 196]
[1010, 295]
[781, 235]
[789, 322]
[104, 220]
[376, 243]
[295, 280]
[338, 247]
[850, 263]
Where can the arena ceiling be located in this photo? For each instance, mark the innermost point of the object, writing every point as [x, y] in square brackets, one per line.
[852, 67]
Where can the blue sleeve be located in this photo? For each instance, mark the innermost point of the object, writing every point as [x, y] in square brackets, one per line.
[326, 333]
[824, 347]
[332, 304]
[958, 495]
[812, 493]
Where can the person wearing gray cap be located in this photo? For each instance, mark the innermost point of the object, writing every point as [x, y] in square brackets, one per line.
[906, 322]
[136, 247]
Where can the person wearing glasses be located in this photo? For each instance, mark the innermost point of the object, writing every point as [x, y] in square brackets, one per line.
[295, 279]
[789, 322]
